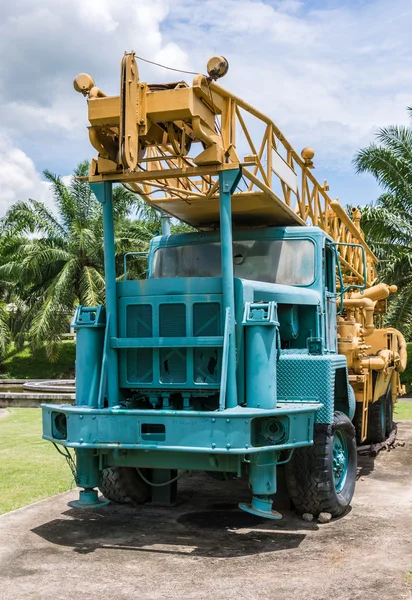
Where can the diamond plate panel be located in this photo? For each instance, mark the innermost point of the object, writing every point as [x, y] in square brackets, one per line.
[309, 378]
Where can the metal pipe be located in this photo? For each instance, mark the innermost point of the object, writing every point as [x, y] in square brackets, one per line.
[260, 367]
[227, 181]
[374, 363]
[165, 222]
[403, 355]
[376, 292]
[103, 192]
[368, 306]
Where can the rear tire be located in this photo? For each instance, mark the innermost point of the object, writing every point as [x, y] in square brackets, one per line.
[389, 411]
[321, 478]
[357, 422]
[123, 485]
[377, 421]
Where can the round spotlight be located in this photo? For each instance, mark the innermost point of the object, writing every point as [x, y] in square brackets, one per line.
[307, 153]
[217, 67]
[83, 83]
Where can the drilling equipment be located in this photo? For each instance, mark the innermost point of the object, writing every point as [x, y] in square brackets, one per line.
[255, 340]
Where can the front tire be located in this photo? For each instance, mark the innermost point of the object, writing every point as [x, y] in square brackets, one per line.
[321, 478]
[124, 485]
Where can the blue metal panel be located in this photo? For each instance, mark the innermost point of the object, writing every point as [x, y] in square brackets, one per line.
[167, 342]
[229, 463]
[170, 287]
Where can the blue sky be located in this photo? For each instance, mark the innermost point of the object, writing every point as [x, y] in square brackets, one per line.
[329, 74]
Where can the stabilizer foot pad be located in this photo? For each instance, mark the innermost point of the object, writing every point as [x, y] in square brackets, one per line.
[261, 506]
[266, 514]
[88, 499]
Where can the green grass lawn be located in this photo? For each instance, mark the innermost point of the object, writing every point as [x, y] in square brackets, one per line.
[31, 468]
[28, 364]
[403, 410]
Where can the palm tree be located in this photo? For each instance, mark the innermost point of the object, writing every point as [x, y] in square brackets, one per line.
[388, 222]
[56, 260]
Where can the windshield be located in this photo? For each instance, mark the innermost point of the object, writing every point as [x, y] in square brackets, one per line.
[290, 262]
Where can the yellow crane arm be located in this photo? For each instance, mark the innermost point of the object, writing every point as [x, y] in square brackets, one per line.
[169, 142]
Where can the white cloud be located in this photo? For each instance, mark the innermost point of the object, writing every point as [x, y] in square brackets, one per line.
[19, 179]
[328, 76]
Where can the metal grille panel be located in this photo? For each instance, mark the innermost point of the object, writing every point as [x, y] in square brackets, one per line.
[139, 364]
[139, 320]
[207, 365]
[206, 319]
[172, 320]
[178, 367]
[173, 365]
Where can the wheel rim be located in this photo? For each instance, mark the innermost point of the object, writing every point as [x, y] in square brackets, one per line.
[340, 460]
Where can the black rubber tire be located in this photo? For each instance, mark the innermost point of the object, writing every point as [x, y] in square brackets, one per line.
[377, 427]
[123, 485]
[309, 473]
[133, 485]
[357, 422]
[389, 411]
[110, 486]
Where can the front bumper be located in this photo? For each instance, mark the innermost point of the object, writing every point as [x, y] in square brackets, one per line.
[233, 431]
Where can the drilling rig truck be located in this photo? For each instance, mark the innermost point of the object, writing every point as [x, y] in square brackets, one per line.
[255, 340]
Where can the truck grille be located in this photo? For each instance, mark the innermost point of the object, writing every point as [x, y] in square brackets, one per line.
[186, 367]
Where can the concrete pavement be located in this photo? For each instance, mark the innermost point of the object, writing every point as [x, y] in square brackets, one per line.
[205, 548]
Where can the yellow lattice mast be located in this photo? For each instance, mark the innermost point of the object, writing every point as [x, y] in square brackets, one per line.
[169, 142]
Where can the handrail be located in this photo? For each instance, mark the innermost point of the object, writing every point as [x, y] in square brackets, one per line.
[225, 361]
[125, 261]
[103, 373]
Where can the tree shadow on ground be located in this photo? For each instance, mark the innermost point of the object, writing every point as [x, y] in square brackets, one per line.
[196, 526]
[215, 533]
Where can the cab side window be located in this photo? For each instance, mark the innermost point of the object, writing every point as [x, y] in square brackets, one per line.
[330, 275]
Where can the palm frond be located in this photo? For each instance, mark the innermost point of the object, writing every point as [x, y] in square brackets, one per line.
[31, 217]
[64, 200]
[91, 287]
[392, 173]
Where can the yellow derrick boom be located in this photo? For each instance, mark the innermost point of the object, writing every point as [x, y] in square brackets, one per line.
[169, 142]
